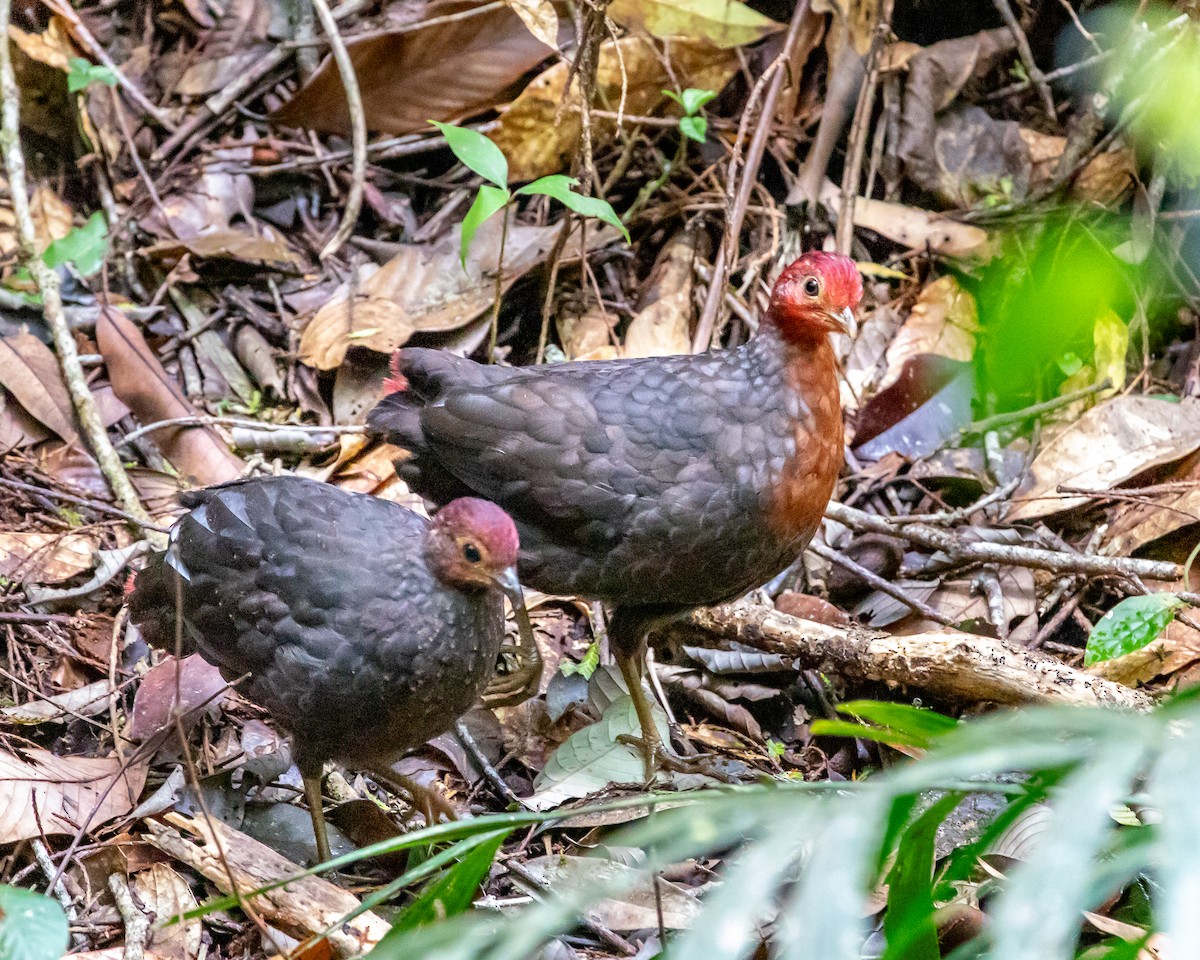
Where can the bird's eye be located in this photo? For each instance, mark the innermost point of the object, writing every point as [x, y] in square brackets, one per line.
[812, 286]
[471, 553]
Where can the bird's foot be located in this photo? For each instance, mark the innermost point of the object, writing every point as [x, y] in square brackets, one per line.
[657, 756]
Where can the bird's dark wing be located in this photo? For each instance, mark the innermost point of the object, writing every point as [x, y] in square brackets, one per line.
[621, 476]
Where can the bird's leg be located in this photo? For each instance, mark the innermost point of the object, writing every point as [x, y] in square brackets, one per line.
[429, 803]
[312, 793]
[656, 755]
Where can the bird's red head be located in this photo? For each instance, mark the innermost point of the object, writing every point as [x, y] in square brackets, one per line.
[473, 543]
[816, 295]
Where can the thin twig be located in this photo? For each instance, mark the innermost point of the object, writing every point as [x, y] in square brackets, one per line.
[358, 128]
[490, 773]
[81, 33]
[495, 327]
[1017, 416]
[205, 420]
[48, 286]
[879, 583]
[137, 924]
[42, 856]
[749, 173]
[983, 551]
[1026, 54]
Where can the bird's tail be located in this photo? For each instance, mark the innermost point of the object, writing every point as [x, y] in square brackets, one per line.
[420, 377]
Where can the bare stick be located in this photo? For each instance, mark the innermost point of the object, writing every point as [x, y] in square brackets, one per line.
[882, 585]
[137, 924]
[95, 48]
[754, 153]
[48, 286]
[982, 551]
[358, 128]
[960, 666]
[1023, 48]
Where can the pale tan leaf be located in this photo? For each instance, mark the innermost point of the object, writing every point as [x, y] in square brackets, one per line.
[725, 23]
[86, 701]
[441, 72]
[45, 557]
[231, 244]
[539, 133]
[41, 793]
[30, 372]
[424, 287]
[539, 18]
[663, 322]
[589, 336]
[165, 894]
[1107, 445]
[52, 219]
[942, 322]
[52, 47]
[913, 227]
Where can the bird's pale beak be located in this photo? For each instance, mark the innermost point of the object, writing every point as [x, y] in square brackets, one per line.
[507, 581]
[849, 323]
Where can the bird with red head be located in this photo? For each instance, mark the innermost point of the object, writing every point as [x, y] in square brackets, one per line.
[657, 485]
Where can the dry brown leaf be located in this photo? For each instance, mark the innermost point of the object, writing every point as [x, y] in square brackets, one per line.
[1136, 524]
[858, 17]
[144, 386]
[52, 219]
[590, 336]
[424, 287]
[53, 47]
[942, 322]
[442, 72]
[1112, 442]
[165, 894]
[1104, 180]
[539, 133]
[539, 18]
[161, 695]
[726, 23]
[45, 557]
[663, 322]
[41, 793]
[30, 372]
[229, 244]
[238, 40]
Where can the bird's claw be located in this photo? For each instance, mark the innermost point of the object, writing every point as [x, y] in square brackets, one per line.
[657, 756]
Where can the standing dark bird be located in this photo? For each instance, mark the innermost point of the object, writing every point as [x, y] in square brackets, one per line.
[657, 485]
[364, 628]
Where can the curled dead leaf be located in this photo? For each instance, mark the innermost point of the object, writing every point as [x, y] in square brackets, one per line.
[145, 387]
[942, 322]
[30, 372]
[725, 23]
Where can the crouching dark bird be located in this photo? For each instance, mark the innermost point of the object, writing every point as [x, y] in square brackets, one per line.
[656, 485]
[362, 628]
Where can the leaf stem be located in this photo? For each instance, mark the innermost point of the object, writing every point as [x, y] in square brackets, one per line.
[491, 354]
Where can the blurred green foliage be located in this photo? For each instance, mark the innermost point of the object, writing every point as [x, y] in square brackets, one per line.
[1046, 307]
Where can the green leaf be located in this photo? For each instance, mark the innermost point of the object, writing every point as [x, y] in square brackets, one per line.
[488, 200]
[84, 73]
[585, 667]
[476, 152]
[908, 925]
[32, 927]
[84, 246]
[694, 128]
[451, 893]
[844, 728]
[694, 99]
[1130, 625]
[559, 187]
[918, 722]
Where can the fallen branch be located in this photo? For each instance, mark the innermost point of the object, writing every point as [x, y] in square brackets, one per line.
[959, 666]
[962, 550]
[48, 286]
[305, 907]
